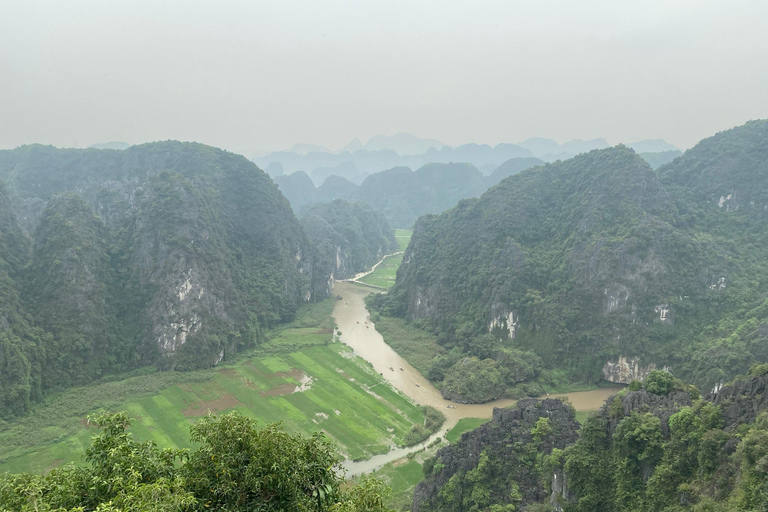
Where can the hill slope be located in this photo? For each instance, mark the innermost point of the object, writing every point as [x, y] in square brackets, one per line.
[174, 253]
[656, 446]
[601, 267]
[350, 237]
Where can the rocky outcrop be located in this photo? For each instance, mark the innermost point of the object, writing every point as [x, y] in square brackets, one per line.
[741, 401]
[661, 406]
[560, 493]
[497, 449]
[624, 370]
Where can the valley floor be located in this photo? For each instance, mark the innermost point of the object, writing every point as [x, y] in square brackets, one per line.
[301, 377]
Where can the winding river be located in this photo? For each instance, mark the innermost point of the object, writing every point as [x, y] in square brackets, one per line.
[360, 333]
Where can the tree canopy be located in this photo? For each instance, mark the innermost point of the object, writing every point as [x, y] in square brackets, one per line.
[235, 466]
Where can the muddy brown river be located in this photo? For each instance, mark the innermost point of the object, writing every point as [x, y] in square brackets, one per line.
[360, 333]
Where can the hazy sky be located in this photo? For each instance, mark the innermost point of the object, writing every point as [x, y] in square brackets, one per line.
[261, 75]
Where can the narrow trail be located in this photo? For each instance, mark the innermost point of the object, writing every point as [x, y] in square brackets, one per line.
[357, 277]
[353, 319]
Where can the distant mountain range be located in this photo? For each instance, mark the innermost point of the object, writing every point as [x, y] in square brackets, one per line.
[403, 195]
[399, 193]
[357, 160]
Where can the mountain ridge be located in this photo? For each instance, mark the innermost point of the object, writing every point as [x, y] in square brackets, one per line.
[599, 257]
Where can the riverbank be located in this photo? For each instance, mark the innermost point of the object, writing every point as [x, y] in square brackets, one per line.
[300, 377]
[359, 332]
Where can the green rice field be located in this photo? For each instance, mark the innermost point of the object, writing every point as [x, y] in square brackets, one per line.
[464, 425]
[403, 236]
[301, 377]
[384, 275]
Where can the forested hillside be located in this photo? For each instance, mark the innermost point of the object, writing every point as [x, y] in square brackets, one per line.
[656, 446]
[350, 237]
[174, 254]
[604, 268]
[402, 195]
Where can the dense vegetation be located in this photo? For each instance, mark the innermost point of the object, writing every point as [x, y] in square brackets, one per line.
[589, 259]
[349, 237]
[234, 466]
[661, 447]
[656, 446]
[168, 253]
[510, 167]
[498, 466]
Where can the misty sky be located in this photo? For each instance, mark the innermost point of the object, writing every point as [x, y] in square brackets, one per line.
[253, 76]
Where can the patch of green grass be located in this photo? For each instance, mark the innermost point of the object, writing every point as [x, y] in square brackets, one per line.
[417, 346]
[403, 236]
[464, 425]
[581, 416]
[402, 479]
[346, 399]
[401, 476]
[385, 273]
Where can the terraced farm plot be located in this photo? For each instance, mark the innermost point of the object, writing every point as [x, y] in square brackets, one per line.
[320, 386]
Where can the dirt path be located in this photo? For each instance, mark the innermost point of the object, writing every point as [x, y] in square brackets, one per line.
[361, 275]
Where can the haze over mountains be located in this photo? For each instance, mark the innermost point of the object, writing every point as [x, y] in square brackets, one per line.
[357, 160]
[599, 267]
[402, 195]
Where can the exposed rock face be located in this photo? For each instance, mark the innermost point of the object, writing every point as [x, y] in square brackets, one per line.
[661, 406]
[599, 254]
[560, 493]
[349, 237]
[625, 370]
[455, 478]
[173, 253]
[498, 441]
[741, 401]
[739, 404]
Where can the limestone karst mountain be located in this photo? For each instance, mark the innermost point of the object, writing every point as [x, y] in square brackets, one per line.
[349, 237]
[171, 253]
[596, 258]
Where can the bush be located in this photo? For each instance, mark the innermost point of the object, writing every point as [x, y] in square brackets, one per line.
[758, 370]
[433, 420]
[659, 382]
[473, 381]
[416, 435]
